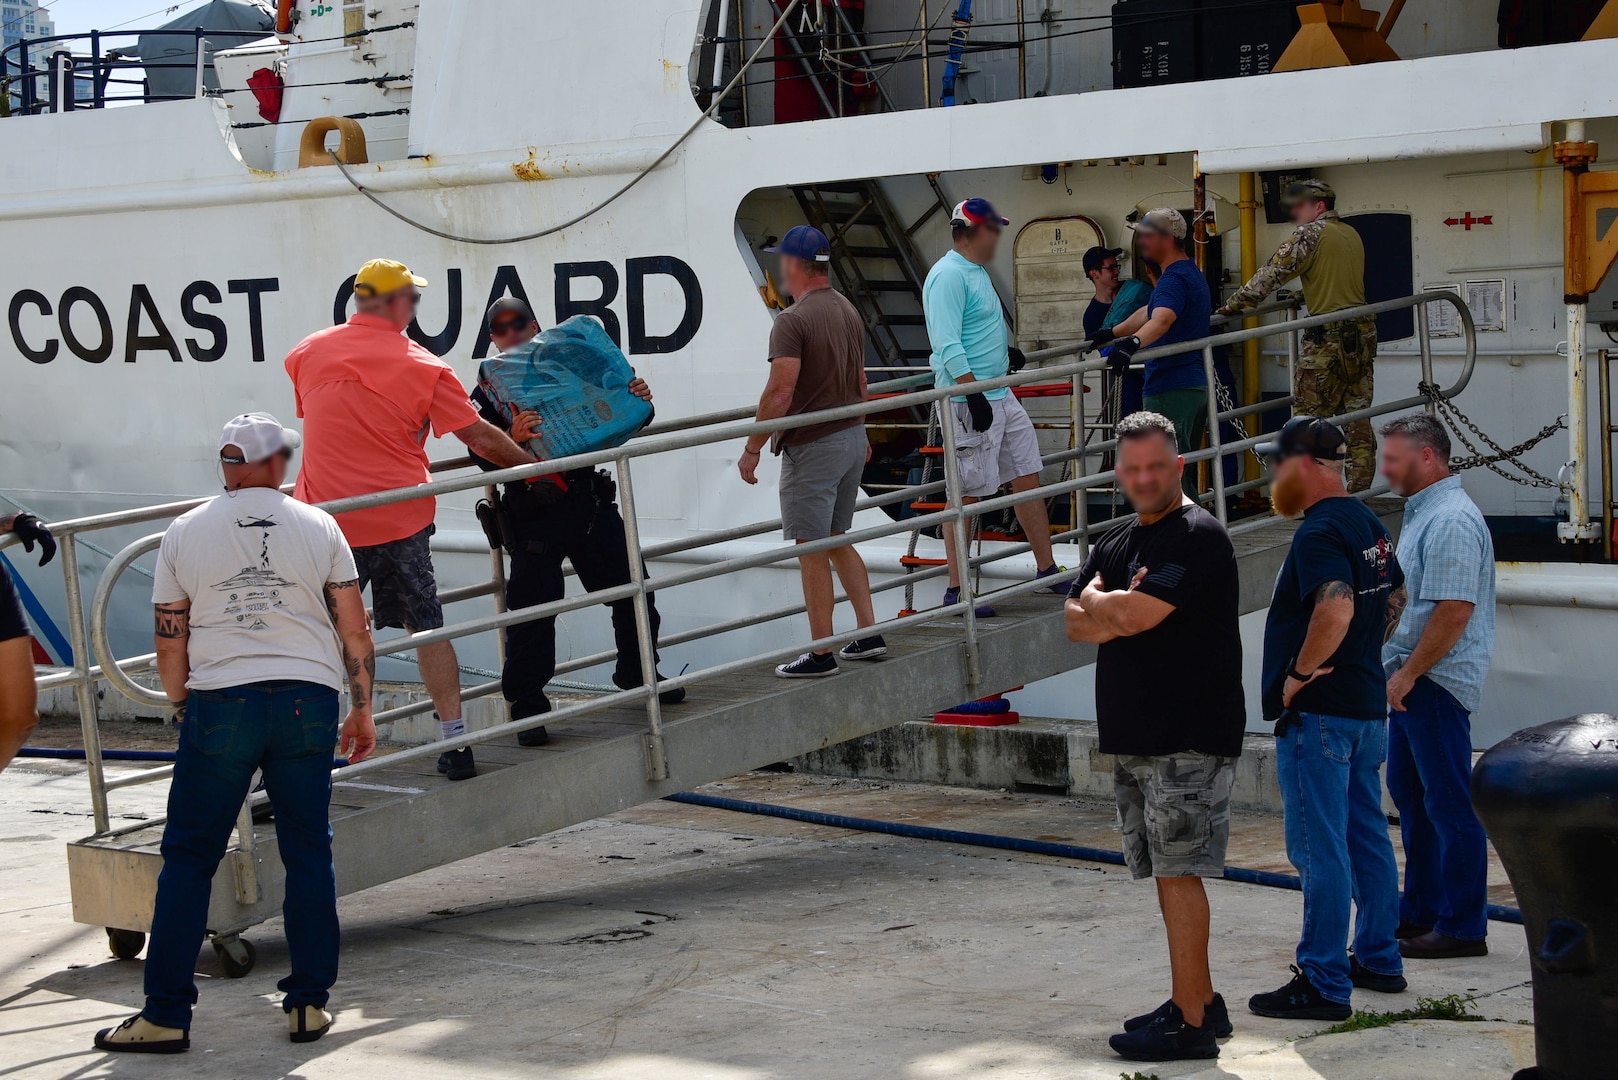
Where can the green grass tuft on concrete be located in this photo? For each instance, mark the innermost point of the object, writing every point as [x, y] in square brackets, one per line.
[1449, 1007]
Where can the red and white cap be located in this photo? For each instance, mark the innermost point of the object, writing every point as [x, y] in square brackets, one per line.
[976, 212]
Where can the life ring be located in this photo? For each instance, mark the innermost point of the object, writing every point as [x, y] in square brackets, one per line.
[283, 16]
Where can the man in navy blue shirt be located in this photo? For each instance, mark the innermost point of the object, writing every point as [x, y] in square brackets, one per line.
[1179, 310]
[1324, 690]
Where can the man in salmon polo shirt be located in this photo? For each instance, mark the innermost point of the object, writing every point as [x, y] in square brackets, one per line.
[368, 396]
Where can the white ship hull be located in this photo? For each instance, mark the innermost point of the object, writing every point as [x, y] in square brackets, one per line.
[157, 278]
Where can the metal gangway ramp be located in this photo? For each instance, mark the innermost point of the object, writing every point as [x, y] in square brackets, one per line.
[394, 815]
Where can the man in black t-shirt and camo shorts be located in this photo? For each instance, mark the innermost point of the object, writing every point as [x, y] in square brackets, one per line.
[1163, 590]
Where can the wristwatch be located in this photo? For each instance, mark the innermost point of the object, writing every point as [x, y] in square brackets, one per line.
[1294, 673]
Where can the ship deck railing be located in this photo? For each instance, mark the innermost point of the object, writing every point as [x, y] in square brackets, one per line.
[88, 627]
[392, 815]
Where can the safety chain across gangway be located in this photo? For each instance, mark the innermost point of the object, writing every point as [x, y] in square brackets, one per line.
[88, 630]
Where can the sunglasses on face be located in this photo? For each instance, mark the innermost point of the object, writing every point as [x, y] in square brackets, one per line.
[502, 327]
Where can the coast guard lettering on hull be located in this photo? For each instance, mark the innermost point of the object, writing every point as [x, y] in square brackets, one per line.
[79, 322]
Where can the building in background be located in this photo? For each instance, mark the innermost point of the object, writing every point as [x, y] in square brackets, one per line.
[20, 19]
[23, 18]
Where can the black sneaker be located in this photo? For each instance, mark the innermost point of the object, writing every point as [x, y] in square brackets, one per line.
[810, 665]
[458, 764]
[1215, 1016]
[1298, 1000]
[534, 736]
[867, 648]
[667, 697]
[1167, 1037]
[1366, 979]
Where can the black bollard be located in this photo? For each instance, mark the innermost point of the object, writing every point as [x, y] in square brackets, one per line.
[1548, 797]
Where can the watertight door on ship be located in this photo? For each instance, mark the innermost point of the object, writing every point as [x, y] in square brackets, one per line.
[1052, 292]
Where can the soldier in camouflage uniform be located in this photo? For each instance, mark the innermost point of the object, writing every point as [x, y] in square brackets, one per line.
[1334, 373]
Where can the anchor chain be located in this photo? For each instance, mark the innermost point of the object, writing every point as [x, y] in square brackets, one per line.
[1456, 419]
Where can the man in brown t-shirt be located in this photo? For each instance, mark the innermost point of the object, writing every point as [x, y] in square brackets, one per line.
[817, 362]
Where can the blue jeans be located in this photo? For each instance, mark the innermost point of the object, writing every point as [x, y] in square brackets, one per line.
[288, 729]
[1337, 838]
[1430, 779]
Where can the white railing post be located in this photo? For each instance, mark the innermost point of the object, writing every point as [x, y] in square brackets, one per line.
[84, 682]
[960, 553]
[657, 764]
[1216, 463]
[1081, 439]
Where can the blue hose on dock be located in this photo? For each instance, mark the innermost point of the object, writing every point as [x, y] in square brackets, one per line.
[1267, 878]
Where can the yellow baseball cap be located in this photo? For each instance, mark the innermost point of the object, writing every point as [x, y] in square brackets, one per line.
[382, 276]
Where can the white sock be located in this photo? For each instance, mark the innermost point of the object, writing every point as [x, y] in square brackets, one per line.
[450, 729]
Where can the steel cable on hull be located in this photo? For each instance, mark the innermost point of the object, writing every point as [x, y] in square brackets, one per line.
[610, 199]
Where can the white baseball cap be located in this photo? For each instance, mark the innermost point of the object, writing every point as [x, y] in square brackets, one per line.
[259, 436]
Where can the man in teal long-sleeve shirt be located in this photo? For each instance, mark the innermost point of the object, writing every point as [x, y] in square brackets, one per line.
[994, 439]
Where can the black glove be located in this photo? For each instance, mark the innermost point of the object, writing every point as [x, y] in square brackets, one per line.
[1102, 337]
[982, 414]
[29, 529]
[1016, 360]
[1122, 353]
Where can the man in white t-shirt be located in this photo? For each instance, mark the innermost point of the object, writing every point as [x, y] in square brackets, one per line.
[259, 615]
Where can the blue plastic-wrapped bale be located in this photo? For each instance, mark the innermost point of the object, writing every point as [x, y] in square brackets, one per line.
[577, 380]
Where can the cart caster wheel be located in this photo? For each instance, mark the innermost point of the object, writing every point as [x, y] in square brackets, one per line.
[125, 944]
[236, 955]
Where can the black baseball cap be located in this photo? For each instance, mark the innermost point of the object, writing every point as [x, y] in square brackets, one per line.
[1098, 255]
[1306, 436]
[507, 305]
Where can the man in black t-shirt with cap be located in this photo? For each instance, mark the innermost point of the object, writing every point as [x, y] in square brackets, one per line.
[1325, 691]
[1163, 588]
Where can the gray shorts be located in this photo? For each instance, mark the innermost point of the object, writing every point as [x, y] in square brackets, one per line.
[404, 592]
[1174, 812]
[820, 482]
[1009, 449]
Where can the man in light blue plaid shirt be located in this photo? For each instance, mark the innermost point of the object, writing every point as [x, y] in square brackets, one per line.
[1440, 641]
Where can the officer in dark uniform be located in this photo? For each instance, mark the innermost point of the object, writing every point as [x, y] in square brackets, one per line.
[544, 522]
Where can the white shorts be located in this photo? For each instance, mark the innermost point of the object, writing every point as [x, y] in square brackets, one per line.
[987, 459]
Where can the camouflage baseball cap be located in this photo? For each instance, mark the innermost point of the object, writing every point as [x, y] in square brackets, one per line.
[1307, 189]
[1162, 220]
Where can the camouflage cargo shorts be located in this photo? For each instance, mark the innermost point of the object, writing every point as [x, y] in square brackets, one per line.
[404, 592]
[1174, 812]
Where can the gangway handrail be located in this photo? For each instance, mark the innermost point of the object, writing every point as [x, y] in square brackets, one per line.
[699, 431]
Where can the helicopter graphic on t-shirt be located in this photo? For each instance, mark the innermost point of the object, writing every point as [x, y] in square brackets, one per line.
[255, 590]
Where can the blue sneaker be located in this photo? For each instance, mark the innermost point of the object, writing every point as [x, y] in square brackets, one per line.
[952, 596]
[1061, 588]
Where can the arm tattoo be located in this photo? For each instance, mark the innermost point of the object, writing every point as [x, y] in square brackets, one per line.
[173, 622]
[361, 669]
[331, 591]
[361, 677]
[1398, 600]
[1334, 590]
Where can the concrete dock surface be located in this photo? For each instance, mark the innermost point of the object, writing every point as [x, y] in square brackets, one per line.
[673, 942]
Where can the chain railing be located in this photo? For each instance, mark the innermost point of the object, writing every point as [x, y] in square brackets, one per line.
[89, 635]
